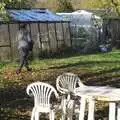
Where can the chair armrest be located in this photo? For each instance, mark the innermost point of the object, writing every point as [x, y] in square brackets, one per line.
[29, 92]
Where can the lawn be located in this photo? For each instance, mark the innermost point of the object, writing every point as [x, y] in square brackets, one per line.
[93, 69]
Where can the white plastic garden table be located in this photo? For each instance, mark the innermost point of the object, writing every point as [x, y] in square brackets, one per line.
[94, 93]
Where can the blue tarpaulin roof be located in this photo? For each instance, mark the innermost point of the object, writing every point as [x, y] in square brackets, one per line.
[24, 15]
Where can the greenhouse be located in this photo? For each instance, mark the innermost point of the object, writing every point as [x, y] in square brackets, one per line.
[84, 26]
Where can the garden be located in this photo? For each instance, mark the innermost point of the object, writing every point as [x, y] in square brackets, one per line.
[93, 69]
[86, 44]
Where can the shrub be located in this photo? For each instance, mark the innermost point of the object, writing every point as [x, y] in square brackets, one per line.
[79, 35]
[91, 44]
[64, 6]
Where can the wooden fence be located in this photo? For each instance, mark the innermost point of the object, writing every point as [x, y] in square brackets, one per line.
[111, 31]
[48, 37]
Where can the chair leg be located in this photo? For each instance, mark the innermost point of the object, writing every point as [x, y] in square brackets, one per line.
[82, 108]
[69, 117]
[91, 109]
[63, 106]
[52, 115]
[33, 114]
[118, 111]
[70, 108]
[36, 115]
[112, 111]
[63, 117]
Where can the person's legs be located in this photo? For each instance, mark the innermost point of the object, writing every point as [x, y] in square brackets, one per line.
[21, 54]
[26, 63]
[22, 62]
[26, 60]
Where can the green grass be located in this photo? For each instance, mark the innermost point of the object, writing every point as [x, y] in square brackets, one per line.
[106, 63]
[100, 63]
[2, 64]
[88, 66]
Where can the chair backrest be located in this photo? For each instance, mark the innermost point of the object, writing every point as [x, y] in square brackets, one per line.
[42, 93]
[67, 82]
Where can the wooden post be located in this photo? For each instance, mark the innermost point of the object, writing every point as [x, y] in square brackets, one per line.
[48, 38]
[70, 34]
[30, 30]
[10, 43]
[56, 35]
[76, 36]
[19, 26]
[31, 38]
[39, 30]
[63, 33]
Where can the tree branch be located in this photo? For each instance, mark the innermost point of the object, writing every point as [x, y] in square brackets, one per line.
[116, 5]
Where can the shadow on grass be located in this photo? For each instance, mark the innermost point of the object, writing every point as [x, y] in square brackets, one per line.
[14, 104]
[72, 53]
[85, 63]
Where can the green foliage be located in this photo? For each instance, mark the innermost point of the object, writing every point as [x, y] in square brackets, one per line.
[2, 64]
[64, 6]
[83, 33]
[13, 4]
[80, 35]
[111, 6]
[85, 39]
[93, 4]
[2, 9]
[18, 3]
[91, 46]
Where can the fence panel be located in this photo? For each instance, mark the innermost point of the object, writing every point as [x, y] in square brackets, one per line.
[111, 30]
[4, 42]
[52, 37]
[44, 38]
[13, 34]
[34, 37]
[60, 36]
[67, 37]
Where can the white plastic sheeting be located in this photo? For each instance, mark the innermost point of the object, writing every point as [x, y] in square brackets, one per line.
[85, 26]
[80, 17]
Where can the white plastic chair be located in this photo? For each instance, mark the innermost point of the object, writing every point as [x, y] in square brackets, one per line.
[66, 84]
[42, 93]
